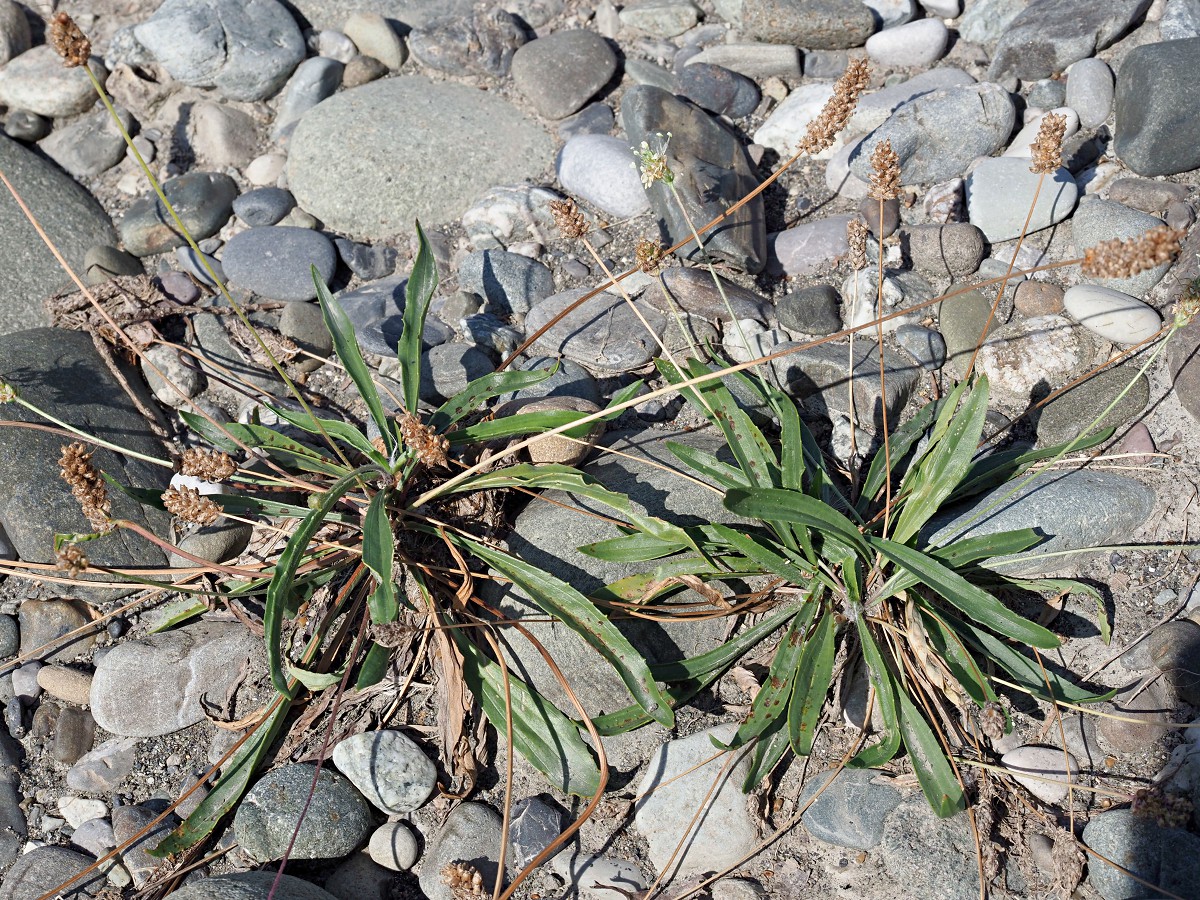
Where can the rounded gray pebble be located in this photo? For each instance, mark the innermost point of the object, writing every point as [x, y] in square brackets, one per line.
[10, 637]
[394, 846]
[337, 821]
[1090, 89]
[925, 345]
[263, 206]
[388, 767]
[275, 262]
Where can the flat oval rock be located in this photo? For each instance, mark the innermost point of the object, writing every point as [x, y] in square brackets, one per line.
[602, 334]
[1112, 315]
[388, 767]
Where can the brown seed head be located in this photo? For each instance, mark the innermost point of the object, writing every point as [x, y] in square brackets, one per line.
[824, 129]
[209, 465]
[429, 446]
[991, 720]
[1167, 808]
[190, 505]
[1047, 149]
[72, 559]
[570, 221]
[68, 41]
[1122, 258]
[885, 173]
[463, 879]
[648, 255]
[856, 237]
[87, 485]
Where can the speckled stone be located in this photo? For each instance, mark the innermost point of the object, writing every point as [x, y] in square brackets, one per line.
[276, 261]
[559, 73]
[388, 768]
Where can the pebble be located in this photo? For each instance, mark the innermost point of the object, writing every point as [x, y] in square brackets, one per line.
[388, 767]
[471, 834]
[1155, 136]
[1000, 191]
[394, 846]
[1065, 417]
[511, 214]
[448, 368]
[263, 206]
[374, 36]
[818, 24]
[1175, 651]
[392, 175]
[939, 134]
[171, 672]
[1047, 93]
[1139, 443]
[22, 125]
[1048, 35]
[482, 43]
[368, 262]
[335, 45]
[1029, 352]
[246, 49]
[1112, 315]
[1074, 509]
[850, 811]
[1168, 858]
[721, 91]
[102, 262]
[45, 622]
[510, 283]
[602, 334]
[362, 70]
[753, 60]
[1054, 770]
[203, 201]
[1038, 298]
[560, 73]
[101, 771]
[95, 836]
[276, 262]
[1152, 711]
[24, 682]
[698, 293]
[661, 18]
[65, 684]
[595, 877]
[265, 170]
[955, 250]
[642, 71]
[809, 247]
[14, 31]
[1090, 91]
[737, 889]
[925, 345]
[931, 857]
[598, 169]
[42, 869]
[533, 827]
[130, 820]
[219, 542]
[817, 377]
[304, 324]
[910, 45]
[74, 735]
[77, 810]
[811, 310]
[1100, 220]
[89, 145]
[567, 379]
[314, 80]
[222, 135]
[10, 637]
[336, 822]
[891, 13]
[252, 886]
[38, 82]
[595, 118]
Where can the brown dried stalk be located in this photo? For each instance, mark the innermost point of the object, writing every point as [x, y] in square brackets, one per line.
[87, 485]
[885, 172]
[191, 506]
[824, 129]
[208, 465]
[68, 41]
[421, 439]
[569, 219]
[1122, 258]
[1047, 149]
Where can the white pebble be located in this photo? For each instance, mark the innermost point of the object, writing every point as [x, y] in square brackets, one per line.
[77, 810]
[918, 43]
[1112, 315]
[1048, 771]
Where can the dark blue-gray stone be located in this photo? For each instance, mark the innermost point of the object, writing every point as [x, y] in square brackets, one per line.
[62, 373]
[276, 262]
[850, 811]
[711, 170]
[1049, 35]
[535, 824]
[263, 206]
[925, 345]
[337, 820]
[719, 90]
[1158, 108]
[376, 310]
[368, 261]
[811, 310]
[511, 283]
[1168, 858]
[12, 817]
[595, 118]
[43, 869]
[1072, 509]
[203, 201]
